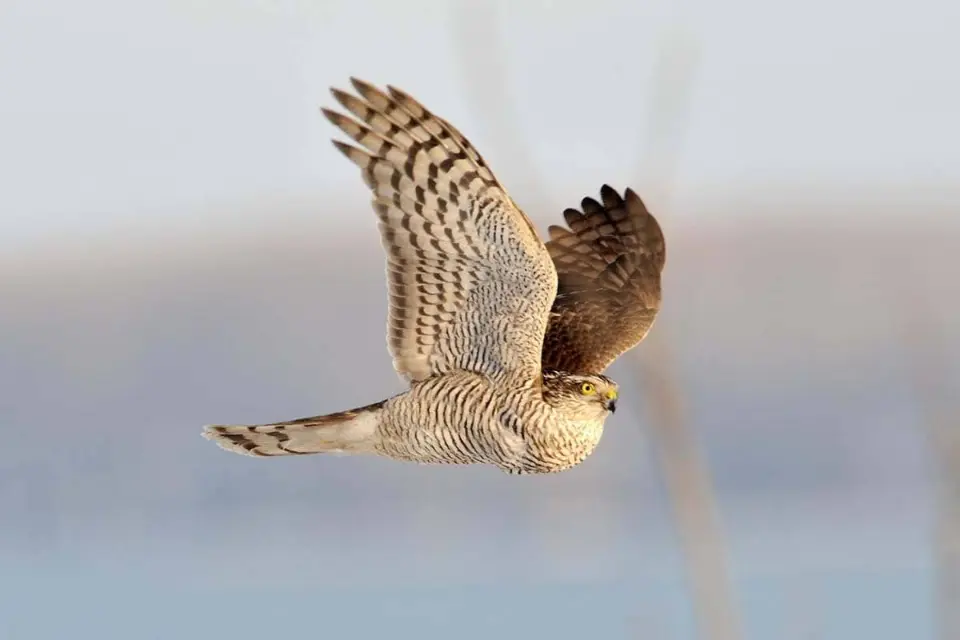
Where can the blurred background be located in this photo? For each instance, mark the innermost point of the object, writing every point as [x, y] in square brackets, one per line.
[180, 245]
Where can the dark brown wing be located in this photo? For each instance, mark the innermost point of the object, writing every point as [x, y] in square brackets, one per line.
[608, 268]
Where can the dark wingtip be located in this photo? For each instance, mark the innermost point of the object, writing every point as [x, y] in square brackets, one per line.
[362, 86]
[610, 197]
[588, 204]
[343, 147]
[631, 196]
[331, 115]
[341, 96]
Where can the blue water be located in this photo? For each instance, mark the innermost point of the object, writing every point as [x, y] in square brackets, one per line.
[82, 599]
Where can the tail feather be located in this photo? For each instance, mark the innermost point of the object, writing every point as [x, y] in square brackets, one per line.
[351, 431]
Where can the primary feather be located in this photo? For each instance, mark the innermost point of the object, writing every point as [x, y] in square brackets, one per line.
[608, 263]
[465, 268]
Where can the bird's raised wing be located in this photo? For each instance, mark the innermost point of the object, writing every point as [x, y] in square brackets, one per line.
[608, 264]
[470, 282]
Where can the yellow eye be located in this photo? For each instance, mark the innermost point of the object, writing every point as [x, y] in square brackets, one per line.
[587, 388]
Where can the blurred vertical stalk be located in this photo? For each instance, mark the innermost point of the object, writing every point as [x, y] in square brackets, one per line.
[690, 488]
[688, 483]
[482, 56]
[691, 496]
[929, 377]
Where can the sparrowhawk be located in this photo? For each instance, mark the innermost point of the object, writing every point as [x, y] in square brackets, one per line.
[503, 338]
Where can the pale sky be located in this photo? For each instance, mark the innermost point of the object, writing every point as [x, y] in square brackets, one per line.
[115, 112]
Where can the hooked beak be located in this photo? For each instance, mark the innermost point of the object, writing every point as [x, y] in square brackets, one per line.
[611, 402]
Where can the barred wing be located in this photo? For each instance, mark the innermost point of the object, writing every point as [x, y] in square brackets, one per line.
[608, 264]
[470, 281]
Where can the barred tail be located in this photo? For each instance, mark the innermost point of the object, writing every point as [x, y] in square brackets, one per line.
[353, 431]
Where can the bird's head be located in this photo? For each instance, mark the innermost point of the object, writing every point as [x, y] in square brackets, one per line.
[586, 397]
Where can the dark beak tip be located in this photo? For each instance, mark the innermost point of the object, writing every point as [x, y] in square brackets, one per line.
[612, 406]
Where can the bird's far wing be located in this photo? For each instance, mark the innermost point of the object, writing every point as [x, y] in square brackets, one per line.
[608, 263]
[470, 282]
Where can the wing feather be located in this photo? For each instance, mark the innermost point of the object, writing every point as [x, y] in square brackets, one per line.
[469, 282]
[609, 261]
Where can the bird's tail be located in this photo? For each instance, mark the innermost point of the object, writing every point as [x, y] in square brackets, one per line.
[353, 431]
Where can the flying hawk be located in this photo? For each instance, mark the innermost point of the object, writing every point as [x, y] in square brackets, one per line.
[503, 338]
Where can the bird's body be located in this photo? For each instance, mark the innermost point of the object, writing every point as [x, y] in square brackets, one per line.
[502, 338]
[456, 418]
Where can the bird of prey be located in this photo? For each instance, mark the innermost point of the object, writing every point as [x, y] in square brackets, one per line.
[503, 338]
